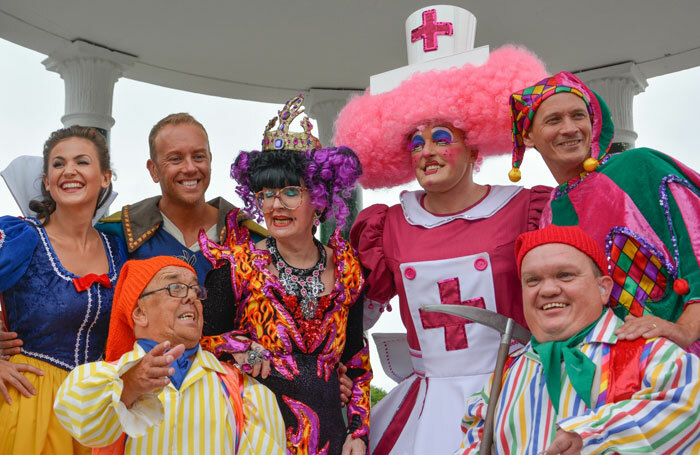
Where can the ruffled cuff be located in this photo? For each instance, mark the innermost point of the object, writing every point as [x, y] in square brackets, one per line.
[144, 413]
[372, 311]
[358, 407]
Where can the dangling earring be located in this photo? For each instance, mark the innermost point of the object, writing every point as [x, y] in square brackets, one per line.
[317, 215]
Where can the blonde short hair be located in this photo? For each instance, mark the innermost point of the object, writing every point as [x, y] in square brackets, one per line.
[173, 119]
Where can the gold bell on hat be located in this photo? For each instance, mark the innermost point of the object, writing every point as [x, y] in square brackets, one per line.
[590, 164]
[514, 175]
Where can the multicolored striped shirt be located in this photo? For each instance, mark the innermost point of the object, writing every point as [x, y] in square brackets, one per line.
[197, 418]
[663, 417]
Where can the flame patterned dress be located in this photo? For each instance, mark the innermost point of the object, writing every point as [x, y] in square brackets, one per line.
[246, 299]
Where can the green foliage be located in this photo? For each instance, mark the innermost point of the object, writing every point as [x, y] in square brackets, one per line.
[376, 394]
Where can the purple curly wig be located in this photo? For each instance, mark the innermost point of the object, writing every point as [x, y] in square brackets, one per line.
[329, 174]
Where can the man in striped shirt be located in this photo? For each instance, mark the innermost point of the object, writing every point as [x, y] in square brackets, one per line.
[575, 388]
[158, 392]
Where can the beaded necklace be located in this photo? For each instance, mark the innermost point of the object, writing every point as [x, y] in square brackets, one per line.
[306, 284]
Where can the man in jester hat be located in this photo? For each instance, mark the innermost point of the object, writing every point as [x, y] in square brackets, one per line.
[577, 387]
[450, 242]
[640, 205]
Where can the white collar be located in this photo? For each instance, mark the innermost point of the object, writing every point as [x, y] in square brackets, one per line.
[172, 229]
[497, 198]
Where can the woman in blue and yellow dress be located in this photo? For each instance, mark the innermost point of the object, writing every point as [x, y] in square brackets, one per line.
[57, 275]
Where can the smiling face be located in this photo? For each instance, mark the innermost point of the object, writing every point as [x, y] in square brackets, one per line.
[440, 158]
[181, 163]
[562, 293]
[561, 132]
[160, 317]
[287, 224]
[73, 174]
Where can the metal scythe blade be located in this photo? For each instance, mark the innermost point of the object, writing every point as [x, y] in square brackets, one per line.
[485, 317]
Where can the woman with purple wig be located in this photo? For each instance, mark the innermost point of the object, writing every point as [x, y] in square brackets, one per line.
[284, 308]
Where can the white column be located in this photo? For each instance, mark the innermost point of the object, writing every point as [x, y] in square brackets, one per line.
[324, 105]
[618, 84]
[89, 73]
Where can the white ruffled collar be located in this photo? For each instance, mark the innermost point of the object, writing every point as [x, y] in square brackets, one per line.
[495, 200]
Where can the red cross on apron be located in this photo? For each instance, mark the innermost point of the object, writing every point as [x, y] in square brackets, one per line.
[455, 326]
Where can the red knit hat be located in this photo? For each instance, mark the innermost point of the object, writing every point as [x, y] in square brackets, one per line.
[568, 235]
[133, 279]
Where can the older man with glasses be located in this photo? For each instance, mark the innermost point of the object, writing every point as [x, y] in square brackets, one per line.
[157, 390]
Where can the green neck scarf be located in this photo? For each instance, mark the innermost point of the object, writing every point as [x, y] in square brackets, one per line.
[579, 368]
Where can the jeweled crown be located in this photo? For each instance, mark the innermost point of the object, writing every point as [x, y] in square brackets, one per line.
[282, 138]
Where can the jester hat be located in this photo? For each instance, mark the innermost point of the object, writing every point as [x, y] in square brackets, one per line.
[471, 98]
[524, 105]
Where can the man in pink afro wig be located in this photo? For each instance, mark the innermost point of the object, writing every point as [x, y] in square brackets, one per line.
[472, 98]
[449, 243]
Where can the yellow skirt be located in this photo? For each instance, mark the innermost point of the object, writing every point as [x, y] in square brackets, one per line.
[28, 426]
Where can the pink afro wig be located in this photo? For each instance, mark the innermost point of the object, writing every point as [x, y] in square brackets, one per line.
[473, 99]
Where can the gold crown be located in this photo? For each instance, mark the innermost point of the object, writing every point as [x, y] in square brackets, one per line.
[282, 138]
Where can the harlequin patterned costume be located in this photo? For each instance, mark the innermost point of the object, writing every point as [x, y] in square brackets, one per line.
[63, 321]
[641, 205]
[657, 414]
[247, 299]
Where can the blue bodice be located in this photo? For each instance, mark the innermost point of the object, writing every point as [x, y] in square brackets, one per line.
[58, 324]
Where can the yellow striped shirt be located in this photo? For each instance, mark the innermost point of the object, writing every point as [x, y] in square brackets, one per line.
[197, 419]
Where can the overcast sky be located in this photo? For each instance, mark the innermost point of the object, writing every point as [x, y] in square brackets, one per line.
[31, 105]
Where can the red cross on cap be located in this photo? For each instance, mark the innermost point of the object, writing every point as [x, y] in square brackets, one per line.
[430, 30]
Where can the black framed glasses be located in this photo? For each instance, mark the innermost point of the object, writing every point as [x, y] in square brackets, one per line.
[180, 290]
[290, 197]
